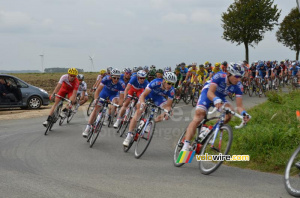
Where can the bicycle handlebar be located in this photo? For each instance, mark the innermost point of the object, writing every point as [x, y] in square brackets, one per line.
[105, 100]
[66, 99]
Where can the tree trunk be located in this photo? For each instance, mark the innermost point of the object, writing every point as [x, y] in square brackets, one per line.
[297, 55]
[246, 52]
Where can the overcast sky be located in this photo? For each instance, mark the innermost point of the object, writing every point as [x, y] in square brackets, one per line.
[123, 33]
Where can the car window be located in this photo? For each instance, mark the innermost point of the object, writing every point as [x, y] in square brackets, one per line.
[11, 82]
[21, 84]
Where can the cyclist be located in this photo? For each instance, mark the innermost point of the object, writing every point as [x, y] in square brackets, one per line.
[183, 70]
[157, 90]
[178, 82]
[294, 70]
[159, 73]
[82, 90]
[146, 69]
[214, 93]
[191, 73]
[126, 76]
[224, 66]
[215, 70]
[261, 71]
[134, 71]
[152, 67]
[67, 84]
[202, 74]
[136, 85]
[151, 75]
[277, 71]
[111, 86]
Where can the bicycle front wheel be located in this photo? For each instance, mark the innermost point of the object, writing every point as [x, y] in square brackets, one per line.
[90, 108]
[71, 113]
[223, 143]
[177, 150]
[292, 174]
[195, 98]
[144, 139]
[96, 131]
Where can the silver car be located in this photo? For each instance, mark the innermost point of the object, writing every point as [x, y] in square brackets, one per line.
[21, 94]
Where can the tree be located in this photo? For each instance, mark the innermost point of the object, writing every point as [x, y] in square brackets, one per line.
[246, 21]
[289, 31]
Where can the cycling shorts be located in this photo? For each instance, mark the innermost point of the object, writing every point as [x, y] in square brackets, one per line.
[111, 95]
[204, 103]
[64, 92]
[157, 99]
[132, 90]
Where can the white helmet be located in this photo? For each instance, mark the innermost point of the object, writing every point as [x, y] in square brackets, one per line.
[115, 72]
[141, 74]
[236, 70]
[171, 77]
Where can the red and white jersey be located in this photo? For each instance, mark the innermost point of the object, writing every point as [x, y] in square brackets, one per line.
[100, 76]
[66, 84]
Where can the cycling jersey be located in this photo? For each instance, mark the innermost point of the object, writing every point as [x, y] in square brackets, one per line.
[262, 71]
[294, 70]
[184, 71]
[252, 69]
[136, 87]
[179, 78]
[67, 87]
[82, 87]
[134, 74]
[111, 90]
[157, 94]
[219, 79]
[99, 77]
[122, 78]
[224, 68]
[202, 74]
[277, 71]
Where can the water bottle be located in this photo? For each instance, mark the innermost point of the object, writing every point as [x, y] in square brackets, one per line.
[98, 117]
[141, 124]
[204, 131]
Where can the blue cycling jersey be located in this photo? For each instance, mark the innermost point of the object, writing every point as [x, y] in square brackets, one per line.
[294, 70]
[136, 85]
[156, 89]
[184, 71]
[220, 79]
[112, 88]
[134, 74]
[122, 78]
[262, 71]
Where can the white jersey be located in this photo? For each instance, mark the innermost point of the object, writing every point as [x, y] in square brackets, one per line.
[82, 87]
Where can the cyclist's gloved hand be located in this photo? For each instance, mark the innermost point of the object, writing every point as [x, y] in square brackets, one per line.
[217, 102]
[52, 97]
[247, 117]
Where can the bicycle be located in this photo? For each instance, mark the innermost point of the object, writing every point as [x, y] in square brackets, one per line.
[91, 105]
[196, 93]
[97, 125]
[56, 114]
[145, 129]
[291, 174]
[220, 133]
[71, 111]
[127, 116]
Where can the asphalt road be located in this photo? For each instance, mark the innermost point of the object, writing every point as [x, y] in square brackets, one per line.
[61, 164]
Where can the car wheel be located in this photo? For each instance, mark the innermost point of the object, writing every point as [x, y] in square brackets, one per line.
[34, 102]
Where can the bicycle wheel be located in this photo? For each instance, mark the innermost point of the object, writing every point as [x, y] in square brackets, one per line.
[49, 127]
[195, 98]
[292, 174]
[188, 95]
[71, 113]
[124, 122]
[144, 139]
[90, 108]
[96, 131]
[251, 89]
[223, 142]
[177, 150]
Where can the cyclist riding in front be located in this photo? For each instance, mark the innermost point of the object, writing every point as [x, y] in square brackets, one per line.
[157, 90]
[110, 87]
[136, 85]
[68, 84]
[214, 93]
[82, 90]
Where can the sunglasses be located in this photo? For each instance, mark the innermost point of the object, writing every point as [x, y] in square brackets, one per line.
[73, 76]
[115, 78]
[170, 83]
[237, 76]
[127, 73]
[142, 78]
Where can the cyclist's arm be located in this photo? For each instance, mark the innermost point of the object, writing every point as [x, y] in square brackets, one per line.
[239, 104]
[121, 99]
[144, 95]
[98, 90]
[73, 97]
[57, 88]
[127, 89]
[211, 94]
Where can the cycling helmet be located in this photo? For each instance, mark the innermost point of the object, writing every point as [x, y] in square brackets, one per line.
[115, 72]
[294, 64]
[140, 68]
[134, 69]
[236, 70]
[109, 69]
[73, 71]
[224, 63]
[206, 63]
[160, 71]
[146, 68]
[80, 76]
[201, 65]
[167, 69]
[152, 67]
[151, 72]
[141, 74]
[217, 64]
[206, 66]
[182, 64]
[170, 77]
[260, 64]
[102, 71]
[194, 64]
[127, 70]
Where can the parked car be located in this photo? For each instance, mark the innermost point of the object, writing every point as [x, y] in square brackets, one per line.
[26, 95]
